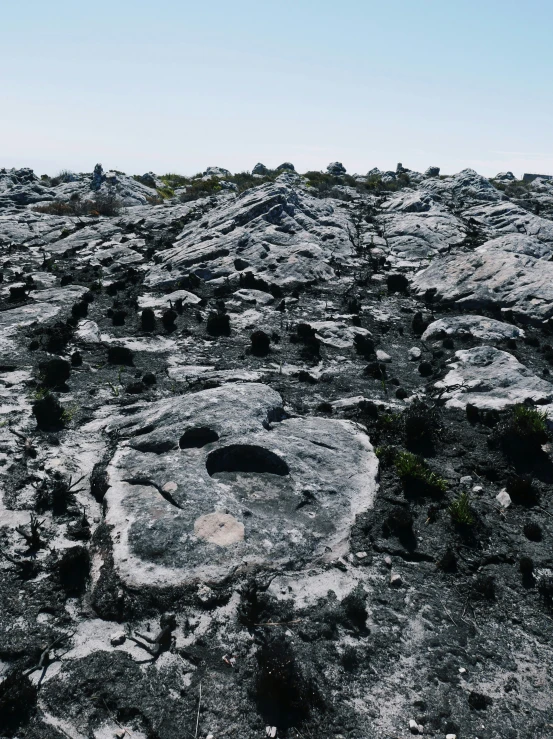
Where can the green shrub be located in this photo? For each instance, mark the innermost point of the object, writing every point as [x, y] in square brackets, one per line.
[415, 476]
[523, 432]
[460, 510]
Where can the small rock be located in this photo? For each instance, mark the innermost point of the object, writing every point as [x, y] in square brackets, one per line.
[382, 356]
[451, 736]
[414, 354]
[466, 480]
[433, 172]
[462, 670]
[477, 489]
[388, 561]
[271, 731]
[396, 580]
[360, 555]
[117, 639]
[413, 727]
[503, 498]
[336, 168]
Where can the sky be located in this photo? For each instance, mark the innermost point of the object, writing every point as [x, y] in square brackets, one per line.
[176, 86]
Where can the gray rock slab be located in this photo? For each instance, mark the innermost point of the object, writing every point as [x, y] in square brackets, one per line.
[491, 379]
[207, 483]
[278, 232]
[490, 277]
[480, 327]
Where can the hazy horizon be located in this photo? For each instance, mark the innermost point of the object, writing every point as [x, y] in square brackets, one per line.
[177, 88]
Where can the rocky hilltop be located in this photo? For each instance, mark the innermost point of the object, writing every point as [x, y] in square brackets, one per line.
[275, 455]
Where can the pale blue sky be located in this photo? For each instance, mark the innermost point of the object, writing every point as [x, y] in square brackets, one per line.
[178, 85]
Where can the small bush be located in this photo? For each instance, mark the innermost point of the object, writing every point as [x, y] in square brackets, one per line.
[522, 434]
[460, 510]
[102, 204]
[417, 479]
[421, 423]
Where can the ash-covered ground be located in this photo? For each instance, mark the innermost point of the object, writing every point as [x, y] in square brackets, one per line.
[275, 455]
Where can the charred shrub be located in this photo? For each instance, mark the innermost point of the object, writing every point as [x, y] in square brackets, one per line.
[99, 483]
[448, 561]
[148, 319]
[545, 589]
[54, 373]
[397, 283]
[120, 355]
[350, 659]
[284, 694]
[479, 701]
[73, 570]
[355, 609]
[48, 412]
[307, 336]
[417, 479]
[521, 490]
[261, 343]
[218, 324]
[364, 346]
[421, 424]
[483, 587]
[533, 531]
[399, 523]
[17, 702]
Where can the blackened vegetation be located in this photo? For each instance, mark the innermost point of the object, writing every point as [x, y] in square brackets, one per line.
[18, 698]
[285, 695]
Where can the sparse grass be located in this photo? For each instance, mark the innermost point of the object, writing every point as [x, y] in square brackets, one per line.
[460, 510]
[416, 477]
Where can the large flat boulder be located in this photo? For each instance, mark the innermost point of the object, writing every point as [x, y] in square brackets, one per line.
[491, 379]
[491, 277]
[207, 483]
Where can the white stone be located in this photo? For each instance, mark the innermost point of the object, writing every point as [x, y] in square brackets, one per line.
[414, 354]
[117, 639]
[503, 498]
[383, 357]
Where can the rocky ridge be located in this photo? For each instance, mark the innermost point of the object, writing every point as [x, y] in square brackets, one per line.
[275, 454]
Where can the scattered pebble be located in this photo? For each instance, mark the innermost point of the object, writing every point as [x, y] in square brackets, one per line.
[360, 555]
[382, 356]
[466, 480]
[396, 580]
[117, 639]
[388, 561]
[414, 354]
[271, 731]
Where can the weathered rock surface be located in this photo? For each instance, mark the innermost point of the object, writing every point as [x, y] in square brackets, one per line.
[493, 276]
[193, 374]
[491, 379]
[480, 327]
[223, 481]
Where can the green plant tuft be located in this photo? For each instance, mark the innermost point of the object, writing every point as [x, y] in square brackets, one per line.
[460, 510]
[416, 477]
